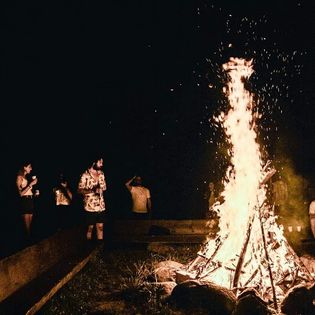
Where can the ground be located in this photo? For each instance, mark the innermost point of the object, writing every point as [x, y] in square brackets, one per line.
[115, 282]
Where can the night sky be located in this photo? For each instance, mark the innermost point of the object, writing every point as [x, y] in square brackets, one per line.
[139, 83]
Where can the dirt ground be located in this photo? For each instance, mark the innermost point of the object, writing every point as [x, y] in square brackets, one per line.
[115, 281]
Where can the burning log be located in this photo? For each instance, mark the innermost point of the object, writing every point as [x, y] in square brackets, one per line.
[308, 276]
[309, 263]
[267, 176]
[242, 256]
[268, 261]
[202, 262]
[251, 277]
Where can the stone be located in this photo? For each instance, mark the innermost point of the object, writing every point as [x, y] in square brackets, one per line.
[197, 294]
[249, 302]
[299, 300]
[166, 270]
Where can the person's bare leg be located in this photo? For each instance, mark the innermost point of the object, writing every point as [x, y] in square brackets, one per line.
[89, 232]
[99, 231]
[28, 222]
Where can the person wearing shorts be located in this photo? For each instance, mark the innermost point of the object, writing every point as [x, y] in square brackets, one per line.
[92, 185]
[26, 197]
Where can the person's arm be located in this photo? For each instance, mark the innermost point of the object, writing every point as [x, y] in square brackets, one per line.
[149, 204]
[24, 190]
[128, 183]
[66, 190]
[83, 187]
[69, 193]
[102, 184]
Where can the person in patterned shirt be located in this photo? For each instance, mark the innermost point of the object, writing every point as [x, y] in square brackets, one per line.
[92, 185]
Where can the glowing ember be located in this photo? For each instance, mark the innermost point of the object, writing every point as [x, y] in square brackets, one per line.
[250, 249]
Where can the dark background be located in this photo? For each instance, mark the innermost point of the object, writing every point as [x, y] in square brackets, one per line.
[130, 80]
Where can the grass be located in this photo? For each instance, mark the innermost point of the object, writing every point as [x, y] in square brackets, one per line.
[118, 281]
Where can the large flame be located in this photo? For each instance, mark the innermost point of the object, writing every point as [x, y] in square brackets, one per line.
[250, 249]
[243, 177]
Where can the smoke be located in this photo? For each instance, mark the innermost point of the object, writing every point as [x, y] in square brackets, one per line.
[293, 209]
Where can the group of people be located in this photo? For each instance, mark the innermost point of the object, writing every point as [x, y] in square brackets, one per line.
[91, 186]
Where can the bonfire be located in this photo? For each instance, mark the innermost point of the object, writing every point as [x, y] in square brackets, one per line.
[250, 249]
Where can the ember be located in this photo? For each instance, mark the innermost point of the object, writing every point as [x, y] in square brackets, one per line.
[250, 250]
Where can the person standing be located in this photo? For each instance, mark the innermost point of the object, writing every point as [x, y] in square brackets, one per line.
[311, 211]
[210, 197]
[26, 196]
[141, 198]
[92, 185]
[280, 193]
[63, 200]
